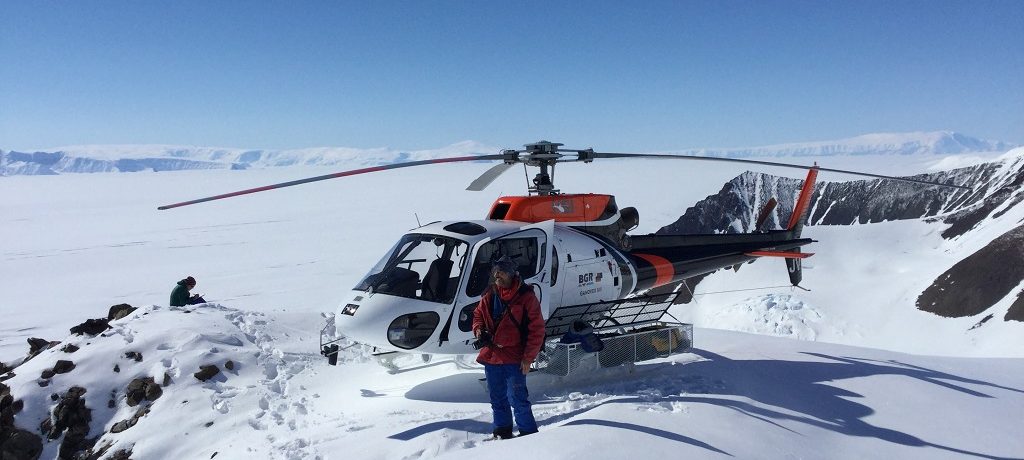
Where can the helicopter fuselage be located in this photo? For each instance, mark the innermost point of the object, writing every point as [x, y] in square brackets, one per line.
[421, 296]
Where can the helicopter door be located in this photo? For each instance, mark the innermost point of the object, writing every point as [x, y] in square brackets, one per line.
[530, 247]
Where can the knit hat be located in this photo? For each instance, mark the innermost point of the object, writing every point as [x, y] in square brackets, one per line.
[505, 265]
[190, 281]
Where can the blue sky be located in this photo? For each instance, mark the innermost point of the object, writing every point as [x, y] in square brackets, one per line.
[424, 74]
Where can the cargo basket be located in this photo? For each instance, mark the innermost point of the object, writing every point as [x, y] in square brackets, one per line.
[658, 340]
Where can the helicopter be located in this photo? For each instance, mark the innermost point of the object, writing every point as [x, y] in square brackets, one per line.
[574, 249]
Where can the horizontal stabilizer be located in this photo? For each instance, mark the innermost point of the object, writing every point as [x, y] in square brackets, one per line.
[787, 255]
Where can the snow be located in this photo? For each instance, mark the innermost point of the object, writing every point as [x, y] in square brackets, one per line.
[856, 372]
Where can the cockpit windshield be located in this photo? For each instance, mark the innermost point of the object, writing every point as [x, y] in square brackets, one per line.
[424, 267]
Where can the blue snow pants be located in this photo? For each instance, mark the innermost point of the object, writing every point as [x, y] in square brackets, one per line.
[507, 387]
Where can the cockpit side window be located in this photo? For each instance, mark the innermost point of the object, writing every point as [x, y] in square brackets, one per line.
[525, 248]
[425, 267]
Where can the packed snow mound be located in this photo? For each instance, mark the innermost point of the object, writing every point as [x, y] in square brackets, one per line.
[278, 399]
[240, 401]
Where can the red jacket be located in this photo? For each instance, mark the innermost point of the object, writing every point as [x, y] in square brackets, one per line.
[508, 346]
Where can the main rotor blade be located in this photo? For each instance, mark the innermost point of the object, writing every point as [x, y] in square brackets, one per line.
[771, 163]
[352, 172]
[487, 177]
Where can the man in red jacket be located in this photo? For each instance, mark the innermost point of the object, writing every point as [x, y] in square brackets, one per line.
[510, 327]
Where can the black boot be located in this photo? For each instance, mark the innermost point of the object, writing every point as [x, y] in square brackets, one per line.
[504, 432]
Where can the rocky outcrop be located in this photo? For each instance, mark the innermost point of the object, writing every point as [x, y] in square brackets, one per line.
[977, 282]
[92, 326]
[15, 443]
[130, 422]
[119, 311]
[142, 389]
[37, 345]
[71, 418]
[206, 372]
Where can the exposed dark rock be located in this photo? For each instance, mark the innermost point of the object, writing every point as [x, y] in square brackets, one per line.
[92, 326]
[111, 404]
[63, 366]
[119, 311]
[121, 454]
[208, 424]
[95, 453]
[134, 355]
[1016, 312]
[16, 444]
[9, 375]
[981, 323]
[153, 391]
[54, 396]
[977, 282]
[117, 368]
[48, 373]
[230, 365]
[126, 424]
[120, 426]
[142, 389]
[4, 369]
[206, 372]
[69, 348]
[35, 345]
[43, 383]
[167, 379]
[71, 417]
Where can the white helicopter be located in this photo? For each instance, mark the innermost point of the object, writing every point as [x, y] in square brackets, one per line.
[573, 249]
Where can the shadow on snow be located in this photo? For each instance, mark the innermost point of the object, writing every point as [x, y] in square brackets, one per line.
[796, 391]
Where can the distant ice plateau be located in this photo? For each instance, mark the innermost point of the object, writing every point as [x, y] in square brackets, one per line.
[134, 158]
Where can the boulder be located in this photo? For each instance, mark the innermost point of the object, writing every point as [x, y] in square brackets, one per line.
[37, 345]
[126, 424]
[121, 454]
[47, 373]
[69, 348]
[134, 355]
[206, 372]
[63, 366]
[230, 365]
[142, 389]
[92, 326]
[119, 311]
[71, 417]
[20, 445]
[167, 379]
[4, 369]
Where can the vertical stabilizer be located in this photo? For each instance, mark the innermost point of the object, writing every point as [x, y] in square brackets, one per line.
[796, 224]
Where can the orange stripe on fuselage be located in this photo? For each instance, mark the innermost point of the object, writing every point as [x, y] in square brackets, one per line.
[662, 267]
